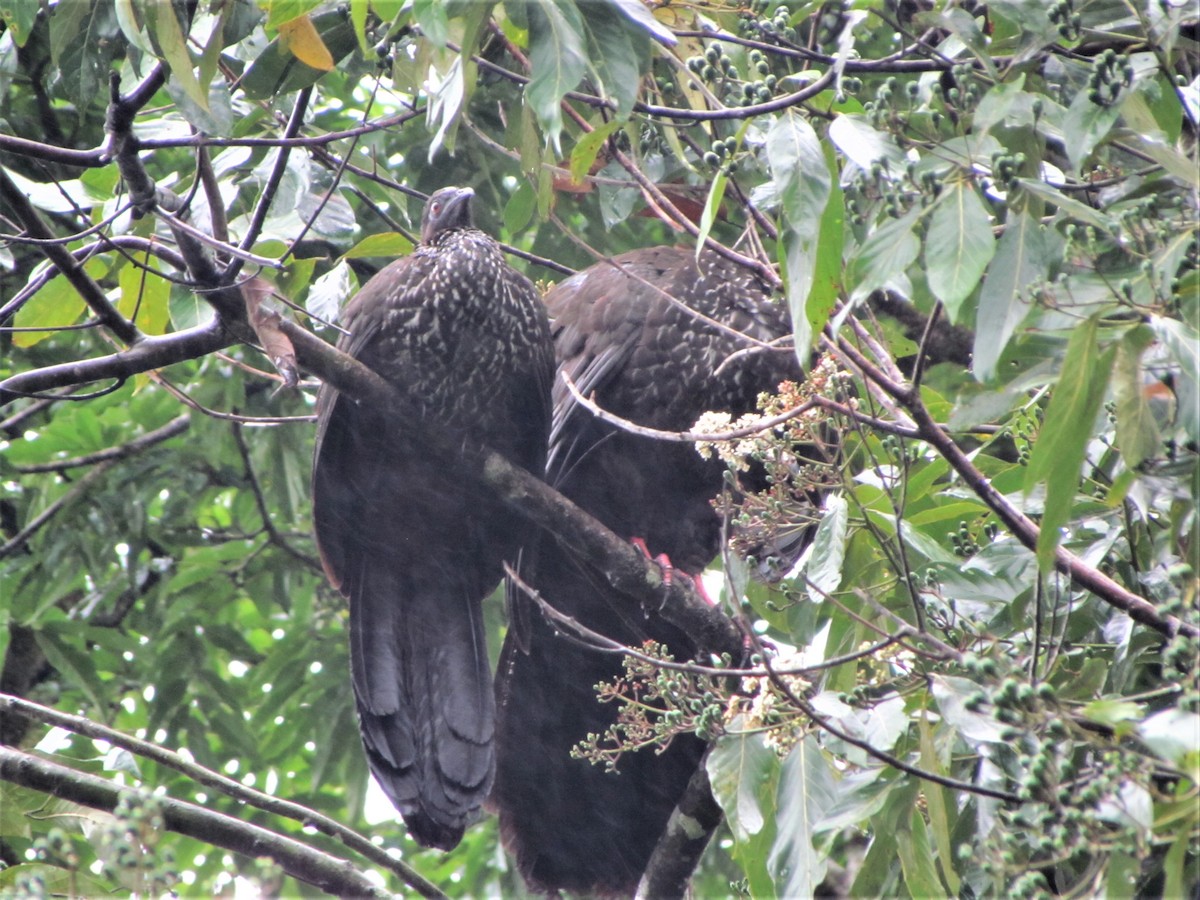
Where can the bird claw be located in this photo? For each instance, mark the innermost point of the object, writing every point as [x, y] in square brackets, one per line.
[668, 570]
[662, 559]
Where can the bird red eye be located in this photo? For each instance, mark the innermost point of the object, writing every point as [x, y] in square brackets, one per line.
[436, 208]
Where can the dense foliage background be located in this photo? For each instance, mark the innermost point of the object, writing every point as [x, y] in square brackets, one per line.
[985, 681]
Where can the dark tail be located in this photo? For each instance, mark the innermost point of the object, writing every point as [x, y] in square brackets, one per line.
[425, 704]
[571, 825]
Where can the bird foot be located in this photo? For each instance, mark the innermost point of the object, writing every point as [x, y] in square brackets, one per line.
[662, 559]
[668, 570]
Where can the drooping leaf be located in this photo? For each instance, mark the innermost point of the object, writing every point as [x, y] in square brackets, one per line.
[807, 787]
[802, 184]
[1022, 260]
[916, 859]
[884, 257]
[744, 774]
[168, 37]
[864, 145]
[958, 247]
[301, 38]
[638, 13]
[617, 49]
[1137, 431]
[588, 146]
[83, 40]
[824, 570]
[1057, 456]
[558, 60]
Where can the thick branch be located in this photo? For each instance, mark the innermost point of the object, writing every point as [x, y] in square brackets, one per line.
[307, 864]
[678, 851]
[149, 353]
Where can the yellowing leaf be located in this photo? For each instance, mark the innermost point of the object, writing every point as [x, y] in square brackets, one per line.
[301, 38]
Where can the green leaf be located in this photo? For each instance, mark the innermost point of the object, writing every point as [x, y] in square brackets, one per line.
[19, 17]
[73, 664]
[145, 296]
[864, 145]
[586, 148]
[1137, 430]
[716, 193]
[171, 42]
[999, 101]
[280, 11]
[1068, 206]
[958, 247]
[824, 570]
[807, 787]
[884, 257]
[1022, 261]
[744, 773]
[277, 71]
[916, 859]
[518, 211]
[388, 244]
[617, 50]
[940, 805]
[802, 184]
[827, 269]
[558, 61]
[82, 47]
[1087, 124]
[1057, 456]
[55, 305]
[638, 13]
[431, 16]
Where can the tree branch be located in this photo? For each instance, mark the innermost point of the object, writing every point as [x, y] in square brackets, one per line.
[92, 294]
[300, 861]
[235, 789]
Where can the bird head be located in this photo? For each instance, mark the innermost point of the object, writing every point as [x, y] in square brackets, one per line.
[446, 209]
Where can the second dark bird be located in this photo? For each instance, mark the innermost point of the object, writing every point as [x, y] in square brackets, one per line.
[412, 539]
[620, 336]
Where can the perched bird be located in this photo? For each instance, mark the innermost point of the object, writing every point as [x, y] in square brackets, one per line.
[656, 339]
[411, 539]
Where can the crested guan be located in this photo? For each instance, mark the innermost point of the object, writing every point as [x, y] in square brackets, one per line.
[413, 541]
[571, 825]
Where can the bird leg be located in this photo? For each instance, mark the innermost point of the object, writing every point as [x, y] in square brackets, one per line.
[668, 570]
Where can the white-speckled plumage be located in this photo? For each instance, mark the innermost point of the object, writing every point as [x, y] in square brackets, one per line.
[412, 540]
